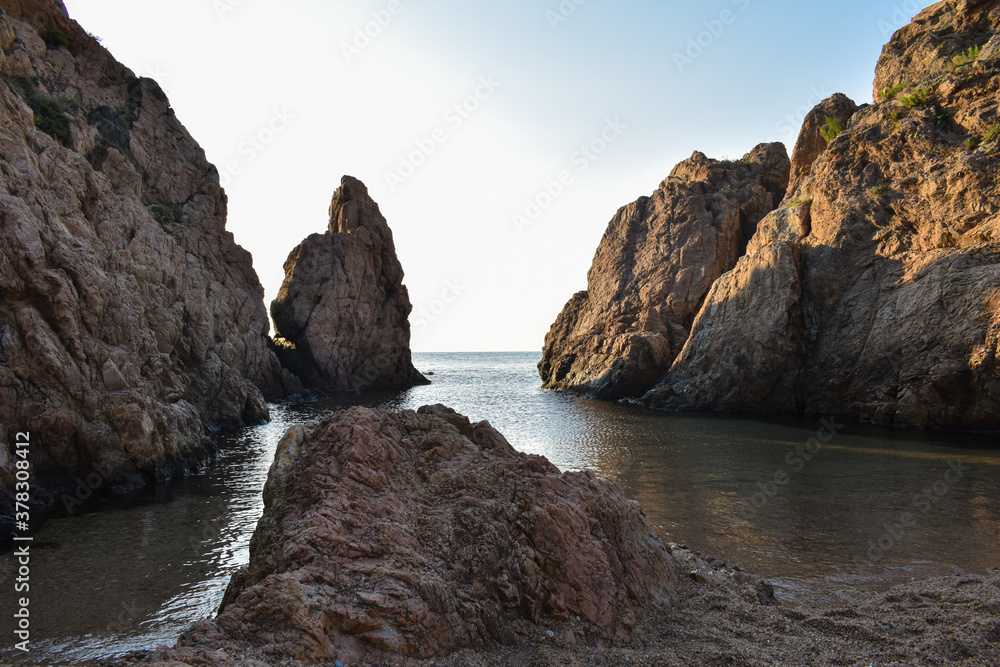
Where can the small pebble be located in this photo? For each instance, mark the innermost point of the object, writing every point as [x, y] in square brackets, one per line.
[550, 634]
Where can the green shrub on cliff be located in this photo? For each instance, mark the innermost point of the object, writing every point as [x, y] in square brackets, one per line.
[919, 97]
[52, 113]
[54, 37]
[970, 55]
[991, 133]
[890, 93]
[832, 128]
[941, 118]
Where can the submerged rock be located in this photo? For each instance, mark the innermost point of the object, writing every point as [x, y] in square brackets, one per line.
[130, 321]
[652, 271]
[418, 534]
[341, 315]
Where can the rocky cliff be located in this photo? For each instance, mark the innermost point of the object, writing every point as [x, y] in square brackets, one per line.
[418, 534]
[341, 315]
[130, 321]
[655, 265]
[873, 291]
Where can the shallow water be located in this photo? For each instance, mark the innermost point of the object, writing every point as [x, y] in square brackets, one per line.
[134, 574]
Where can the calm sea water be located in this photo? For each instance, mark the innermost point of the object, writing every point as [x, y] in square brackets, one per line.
[869, 508]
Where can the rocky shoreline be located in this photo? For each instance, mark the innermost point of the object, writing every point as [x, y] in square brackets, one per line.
[951, 620]
[858, 278]
[483, 559]
[864, 285]
[132, 326]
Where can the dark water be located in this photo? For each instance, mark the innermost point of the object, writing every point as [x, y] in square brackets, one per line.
[133, 575]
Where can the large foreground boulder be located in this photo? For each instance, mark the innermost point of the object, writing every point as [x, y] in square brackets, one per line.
[131, 323]
[420, 533]
[341, 315]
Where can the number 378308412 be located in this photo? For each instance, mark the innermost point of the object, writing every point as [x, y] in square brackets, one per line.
[23, 475]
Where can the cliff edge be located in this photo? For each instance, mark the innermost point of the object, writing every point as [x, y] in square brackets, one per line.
[655, 265]
[872, 291]
[131, 323]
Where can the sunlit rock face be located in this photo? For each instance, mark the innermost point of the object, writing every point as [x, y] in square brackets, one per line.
[130, 321]
[656, 263]
[874, 291]
[342, 313]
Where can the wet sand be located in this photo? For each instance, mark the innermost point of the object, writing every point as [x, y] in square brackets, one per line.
[728, 617]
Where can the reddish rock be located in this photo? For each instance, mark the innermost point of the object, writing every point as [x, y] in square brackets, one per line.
[341, 315]
[811, 142]
[130, 321]
[652, 271]
[420, 533]
[878, 295]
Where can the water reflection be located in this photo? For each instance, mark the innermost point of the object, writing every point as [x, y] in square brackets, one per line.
[136, 573]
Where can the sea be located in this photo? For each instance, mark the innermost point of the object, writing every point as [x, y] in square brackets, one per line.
[819, 507]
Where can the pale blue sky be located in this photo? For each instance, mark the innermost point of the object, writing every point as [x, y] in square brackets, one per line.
[285, 98]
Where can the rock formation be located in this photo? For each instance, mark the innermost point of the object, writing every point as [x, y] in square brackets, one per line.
[873, 291]
[653, 269]
[129, 318]
[419, 533]
[341, 314]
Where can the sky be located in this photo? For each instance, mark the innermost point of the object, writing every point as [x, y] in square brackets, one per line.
[498, 138]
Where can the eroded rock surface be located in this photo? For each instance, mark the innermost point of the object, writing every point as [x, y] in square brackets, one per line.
[811, 142]
[656, 263]
[129, 318]
[877, 295]
[341, 315]
[419, 533]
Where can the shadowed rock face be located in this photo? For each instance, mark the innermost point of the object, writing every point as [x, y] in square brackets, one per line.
[418, 534]
[878, 294]
[129, 318]
[341, 314]
[654, 267]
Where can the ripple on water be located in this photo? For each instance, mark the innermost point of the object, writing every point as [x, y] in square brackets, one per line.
[133, 575]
